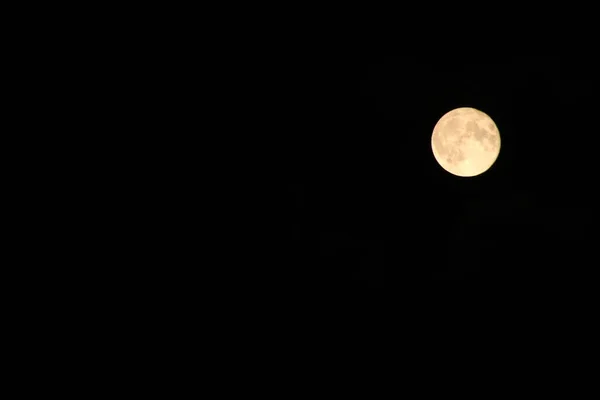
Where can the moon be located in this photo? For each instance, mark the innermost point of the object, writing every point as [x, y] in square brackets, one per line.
[465, 142]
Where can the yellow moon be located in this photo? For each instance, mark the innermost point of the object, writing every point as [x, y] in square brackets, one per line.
[465, 142]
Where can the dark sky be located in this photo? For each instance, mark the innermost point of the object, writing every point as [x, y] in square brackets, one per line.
[370, 211]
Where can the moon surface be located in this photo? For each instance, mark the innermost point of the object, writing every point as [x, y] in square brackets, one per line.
[465, 142]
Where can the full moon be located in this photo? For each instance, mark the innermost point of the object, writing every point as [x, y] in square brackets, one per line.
[465, 142]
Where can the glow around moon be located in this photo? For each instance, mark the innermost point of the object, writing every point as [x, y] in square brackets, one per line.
[465, 142]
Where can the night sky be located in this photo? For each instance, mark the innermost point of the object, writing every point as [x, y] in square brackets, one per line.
[371, 215]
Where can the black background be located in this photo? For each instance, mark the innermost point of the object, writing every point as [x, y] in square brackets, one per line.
[373, 220]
